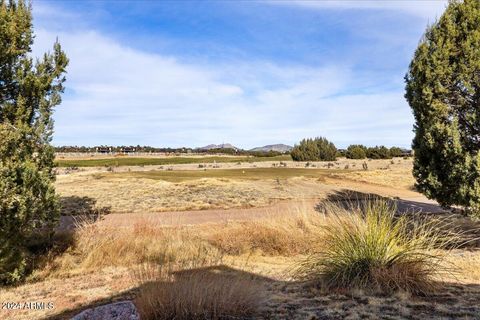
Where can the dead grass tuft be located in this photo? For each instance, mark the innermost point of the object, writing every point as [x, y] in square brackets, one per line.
[98, 247]
[287, 235]
[204, 293]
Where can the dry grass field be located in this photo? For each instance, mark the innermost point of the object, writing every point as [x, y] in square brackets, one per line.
[244, 267]
[225, 185]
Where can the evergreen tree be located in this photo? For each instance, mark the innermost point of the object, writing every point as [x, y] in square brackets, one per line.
[395, 152]
[318, 149]
[29, 90]
[443, 90]
[356, 151]
[378, 152]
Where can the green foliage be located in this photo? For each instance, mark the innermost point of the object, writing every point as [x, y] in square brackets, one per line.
[356, 151]
[318, 149]
[28, 93]
[395, 152]
[443, 90]
[341, 153]
[369, 247]
[377, 152]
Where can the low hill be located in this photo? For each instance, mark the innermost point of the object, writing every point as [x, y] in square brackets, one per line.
[273, 147]
[219, 146]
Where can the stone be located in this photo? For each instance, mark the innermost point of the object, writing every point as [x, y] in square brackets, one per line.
[123, 310]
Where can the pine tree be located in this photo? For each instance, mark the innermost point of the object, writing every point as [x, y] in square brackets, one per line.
[443, 90]
[29, 90]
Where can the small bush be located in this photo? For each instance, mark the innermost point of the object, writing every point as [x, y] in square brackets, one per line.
[370, 248]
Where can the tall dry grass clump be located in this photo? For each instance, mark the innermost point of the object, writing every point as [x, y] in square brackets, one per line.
[369, 247]
[295, 232]
[212, 292]
[96, 247]
[199, 287]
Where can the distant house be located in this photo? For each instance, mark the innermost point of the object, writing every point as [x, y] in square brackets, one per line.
[127, 150]
[407, 152]
[103, 149]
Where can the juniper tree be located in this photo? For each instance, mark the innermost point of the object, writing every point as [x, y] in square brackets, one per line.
[378, 152]
[318, 149]
[443, 90]
[356, 151]
[29, 90]
[395, 152]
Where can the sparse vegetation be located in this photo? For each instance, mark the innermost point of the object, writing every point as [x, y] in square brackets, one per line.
[150, 161]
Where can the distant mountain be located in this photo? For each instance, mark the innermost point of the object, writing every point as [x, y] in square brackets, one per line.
[219, 146]
[273, 147]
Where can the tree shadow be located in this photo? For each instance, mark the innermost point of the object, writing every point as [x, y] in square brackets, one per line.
[302, 300]
[210, 274]
[76, 210]
[449, 222]
[45, 245]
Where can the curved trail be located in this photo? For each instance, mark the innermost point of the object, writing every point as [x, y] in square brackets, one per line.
[407, 201]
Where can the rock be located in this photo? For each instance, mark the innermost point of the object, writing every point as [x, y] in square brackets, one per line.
[123, 310]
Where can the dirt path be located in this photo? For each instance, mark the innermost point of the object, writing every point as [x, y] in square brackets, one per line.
[407, 200]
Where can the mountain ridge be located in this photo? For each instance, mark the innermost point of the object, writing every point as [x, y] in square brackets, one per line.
[280, 147]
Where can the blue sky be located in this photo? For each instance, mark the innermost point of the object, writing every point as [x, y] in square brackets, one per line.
[250, 73]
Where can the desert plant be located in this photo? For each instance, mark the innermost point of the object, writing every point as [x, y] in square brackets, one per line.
[365, 166]
[29, 92]
[318, 149]
[442, 88]
[369, 247]
[356, 151]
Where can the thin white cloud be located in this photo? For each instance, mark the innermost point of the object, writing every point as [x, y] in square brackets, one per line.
[426, 9]
[120, 95]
